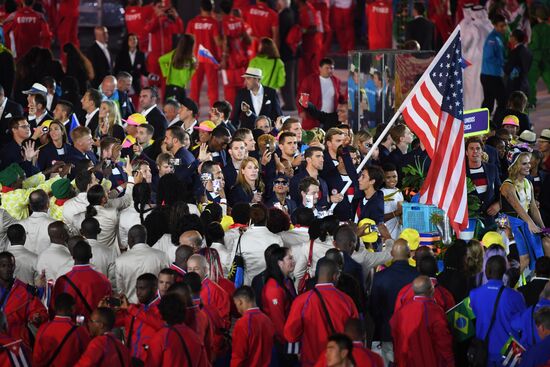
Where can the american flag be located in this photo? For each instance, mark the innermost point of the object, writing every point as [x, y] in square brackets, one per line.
[433, 110]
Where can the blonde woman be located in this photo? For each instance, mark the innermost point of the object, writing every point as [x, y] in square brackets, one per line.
[249, 186]
[363, 141]
[518, 202]
[109, 121]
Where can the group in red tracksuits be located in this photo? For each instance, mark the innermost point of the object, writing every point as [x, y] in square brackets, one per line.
[14, 351]
[341, 20]
[51, 334]
[29, 29]
[93, 285]
[197, 319]
[307, 322]
[252, 340]
[67, 22]
[363, 357]
[234, 56]
[105, 351]
[276, 304]
[135, 17]
[263, 22]
[207, 33]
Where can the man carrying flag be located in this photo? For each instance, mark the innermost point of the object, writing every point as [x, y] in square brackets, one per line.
[207, 41]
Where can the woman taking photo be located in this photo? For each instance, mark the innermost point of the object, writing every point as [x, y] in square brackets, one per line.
[109, 121]
[269, 61]
[518, 203]
[177, 67]
[248, 187]
[278, 294]
[56, 149]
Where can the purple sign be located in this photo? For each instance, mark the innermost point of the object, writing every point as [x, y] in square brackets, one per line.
[476, 122]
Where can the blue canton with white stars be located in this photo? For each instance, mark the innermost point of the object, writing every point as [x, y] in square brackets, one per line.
[447, 78]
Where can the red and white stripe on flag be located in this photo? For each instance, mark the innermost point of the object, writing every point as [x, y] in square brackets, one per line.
[433, 111]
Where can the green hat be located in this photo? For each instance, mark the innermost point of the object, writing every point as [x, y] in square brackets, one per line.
[11, 174]
[61, 188]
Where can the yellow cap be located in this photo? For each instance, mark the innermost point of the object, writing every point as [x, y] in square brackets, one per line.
[370, 236]
[207, 126]
[412, 237]
[46, 123]
[136, 119]
[492, 238]
[226, 222]
[510, 120]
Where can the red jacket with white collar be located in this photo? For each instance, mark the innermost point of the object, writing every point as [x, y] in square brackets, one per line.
[312, 85]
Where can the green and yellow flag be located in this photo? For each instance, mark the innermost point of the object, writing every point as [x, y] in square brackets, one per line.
[461, 320]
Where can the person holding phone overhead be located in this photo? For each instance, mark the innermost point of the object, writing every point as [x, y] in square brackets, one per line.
[255, 100]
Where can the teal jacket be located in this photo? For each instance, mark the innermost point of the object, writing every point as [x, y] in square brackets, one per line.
[273, 71]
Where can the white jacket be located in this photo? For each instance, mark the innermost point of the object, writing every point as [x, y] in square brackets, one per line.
[36, 226]
[74, 211]
[25, 264]
[108, 215]
[225, 256]
[165, 245]
[294, 238]
[253, 244]
[56, 260]
[6, 220]
[301, 255]
[138, 260]
[129, 217]
[369, 260]
[103, 260]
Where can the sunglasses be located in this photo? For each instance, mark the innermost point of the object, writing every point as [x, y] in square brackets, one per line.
[284, 183]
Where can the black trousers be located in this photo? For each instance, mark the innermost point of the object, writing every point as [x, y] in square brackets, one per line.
[493, 90]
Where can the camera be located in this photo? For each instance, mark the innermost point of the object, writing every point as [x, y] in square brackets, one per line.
[207, 176]
[114, 302]
[45, 129]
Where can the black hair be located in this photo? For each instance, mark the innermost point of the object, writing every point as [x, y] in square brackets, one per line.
[194, 281]
[141, 195]
[211, 213]
[90, 227]
[224, 106]
[138, 233]
[376, 174]
[495, 267]
[220, 132]
[94, 195]
[388, 167]
[498, 18]
[322, 228]
[213, 232]
[344, 343]
[149, 278]
[303, 216]
[206, 5]
[38, 200]
[277, 220]
[326, 61]
[82, 252]
[241, 213]
[107, 316]
[170, 189]
[542, 266]
[95, 96]
[419, 7]
[273, 270]
[64, 303]
[6, 255]
[427, 265]
[245, 292]
[16, 234]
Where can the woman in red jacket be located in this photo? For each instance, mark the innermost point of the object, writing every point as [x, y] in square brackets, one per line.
[278, 294]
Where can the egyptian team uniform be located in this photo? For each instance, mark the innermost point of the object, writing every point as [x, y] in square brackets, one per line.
[141, 322]
[21, 306]
[441, 296]
[29, 29]
[307, 322]
[236, 59]
[67, 22]
[261, 19]
[341, 20]
[176, 346]
[49, 337]
[135, 17]
[92, 285]
[162, 30]
[252, 340]
[105, 351]
[206, 30]
[323, 11]
[438, 13]
[379, 24]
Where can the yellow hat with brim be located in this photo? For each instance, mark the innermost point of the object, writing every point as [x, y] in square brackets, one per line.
[412, 237]
[492, 238]
[370, 236]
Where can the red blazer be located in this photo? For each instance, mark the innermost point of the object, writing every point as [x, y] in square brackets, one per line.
[167, 350]
[51, 334]
[307, 323]
[219, 343]
[146, 322]
[442, 296]
[93, 285]
[105, 351]
[276, 305]
[198, 320]
[213, 295]
[252, 340]
[21, 307]
[421, 336]
[312, 85]
[363, 356]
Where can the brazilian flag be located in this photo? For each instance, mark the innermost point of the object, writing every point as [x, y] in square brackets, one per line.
[461, 320]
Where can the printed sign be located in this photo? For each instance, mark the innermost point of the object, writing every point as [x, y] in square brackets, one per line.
[476, 122]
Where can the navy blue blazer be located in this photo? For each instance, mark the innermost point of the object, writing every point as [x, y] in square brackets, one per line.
[237, 194]
[290, 204]
[74, 156]
[11, 153]
[49, 153]
[295, 189]
[270, 107]
[385, 287]
[344, 209]
[229, 173]
[185, 170]
[373, 208]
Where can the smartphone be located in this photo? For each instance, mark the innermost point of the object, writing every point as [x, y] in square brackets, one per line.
[216, 185]
[309, 201]
[79, 319]
[175, 161]
[305, 98]
[245, 106]
[45, 129]
[207, 176]
[303, 148]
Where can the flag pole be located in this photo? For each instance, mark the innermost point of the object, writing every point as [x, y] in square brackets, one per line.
[397, 113]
